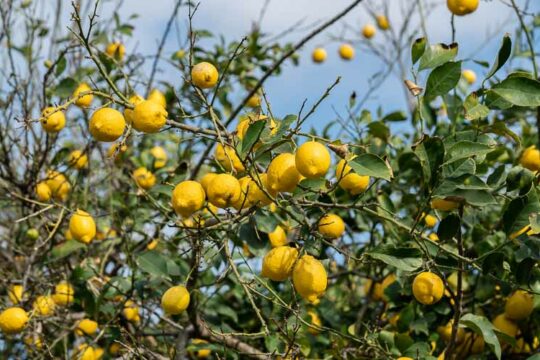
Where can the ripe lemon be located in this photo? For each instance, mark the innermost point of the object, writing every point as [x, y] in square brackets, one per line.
[78, 159]
[282, 175]
[247, 197]
[84, 352]
[116, 150]
[84, 100]
[206, 180]
[188, 197]
[63, 293]
[318, 55]
[530, 159]
[149, 117]
[175, 300]
[382, 22]
[204, 75]
[278, 237]
[226, 157]
[315, 321]
[462, 7]
[98, 353]
[15, 293]
[351, 182]
[144, 178]
[331, 226]
[505, 325]
[52, 120]
[428, 288]
[107, 124]
[309, 278]
[245, 121]
[377, 293]
[82, 226]
[13, 320]
[116, 50]
[131, 312]
[201, 353]
[312, 159]
[152, 244]
[58, 184]
[254, 101]
[158, 97]
[446, 333]
[86, 327]
[44, 305]
[224, 191]
[444, 205]
[430, 220]
[346, 51]
[469, 76]
[369, 31]
[179, 54]
[433, 237]
[278, 262]
[160, 155]
[519, 305]
[43, 191]
[128, 113]
[34, 342]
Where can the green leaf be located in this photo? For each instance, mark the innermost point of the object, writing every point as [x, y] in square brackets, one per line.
[371, 165]
[516, 215]
[60, 66]
[483, 327]
[418, 48]
[284, 125]
[520, 91]
[473, 109]
[253, 133]
[437, 54]
[153, 263]
[465, 149]
[448, 228]
[265, 222]
[442, 79]
[379, 130]
[504, 53]
[430, 152]
[65, 88]
[395, 116]
[65, 249]
[405, 259]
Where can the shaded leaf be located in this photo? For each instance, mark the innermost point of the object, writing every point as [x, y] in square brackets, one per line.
[371, 165]
[443, 79]
[482, 326]
[437, 54]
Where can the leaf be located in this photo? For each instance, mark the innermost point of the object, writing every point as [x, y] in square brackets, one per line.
[443, 79]
[395, 116]
[437, 54]
[418, 48]
[405, 259]
[60, 66]
[284, 125]
[482, 326]
[448, 227]
[253, 133]
[65, 249]
[371, 165]
[379, 130]
[465, 149]
[430, 152]
[520, 91]
[473, 109]
[65, 88]
[504, 53]
[516, 215]
[153, 263]
[265, 222]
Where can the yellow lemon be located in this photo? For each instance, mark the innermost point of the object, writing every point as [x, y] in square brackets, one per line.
[201, 353]
[430, 220]
[115, 349]
[282, 175]
[382, 22]
[152, 244]
[58, 184]
[315, 320]
[179, 54]
[98, 353]
[84, 352]
[175, 300]
[278, 237]
[254, 101]
[368, 31]
[248, 194]
[116, 50]
[346, 51]
[404, 358]
[226, 157]
[377, 293]
[107, 124]
[206, 180]
[462, 7]
[144, 178]
[428, 288]
[149, 117]
[278, 262]
[188, 197]
[309, 278]
[530, 159]
[318, 55]
[63, 293]
[505, 325]
[224, 191]
[13, 320]
[131, 312]
[52, 120]
[444, 205]
[204, 75]
[78, 159]
[453, 281]
[160, 155]
[82, 226]
[469, 76]
[245, 122]
[433, 237]
[84, 100]
[158, 97]
[519, 305]
[312, 160]
[43, 191]
[34, 342]
[128, 113]
[116, 150]
[446, 332]
[331, 226]
[44, 305]
[86, 327]
[351, 182]
[15, 293]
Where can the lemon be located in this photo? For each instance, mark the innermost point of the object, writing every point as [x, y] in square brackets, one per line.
[505, 325]
[346, 51]
[312, 159]
[462, 7]
[530, 159]
[247, 197]
[446, 332]
[201, 353]
[34, 342]
[444, 205]
[206, 180]
[144, 178]
[254, 101]
[226, 157]
[131, 312]
[128, 113]
[86, 327]
[116, 50]
[116, 150]
[115, 349]
[98, 353]
[368, 31]
[382, 22]
[84, 352]
[469, 76]
[428, 288]
[44, 305]
[315, 321]
[351, 182]
[282, 173]
[160, 155]
[58, 184]
[245, 121]
[433, 237]
[84, 100]
[158, 97]
[179, 54]
[224, 191]
[13, 320]
[149, 117]
[82, 226]
[63, 293]
[43, 191]
[204, 75]
[404, 358]
[52, 120]
[430, 220]
[78, 159]
[15, 293]
[278, 262]
[278, 237]
[152, 244]
[107, 124]
[188, 197]
[319, 55]
[309, 278]
[175, 300]
[519, 305]
[331, 226]
[377, 293]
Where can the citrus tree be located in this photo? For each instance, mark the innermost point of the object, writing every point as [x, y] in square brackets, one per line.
[153, 206]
